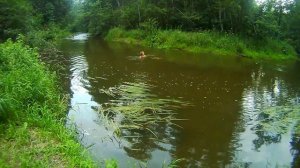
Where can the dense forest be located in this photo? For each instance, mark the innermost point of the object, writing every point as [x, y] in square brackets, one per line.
[258, 20]
[274, 19]
[22, 16]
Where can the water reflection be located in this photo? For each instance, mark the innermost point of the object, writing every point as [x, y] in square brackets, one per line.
[270, 112]
[231, 123]
[204, 139]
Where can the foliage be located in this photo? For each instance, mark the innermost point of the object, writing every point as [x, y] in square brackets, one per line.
[111, 163]
[294, 26]
[46, 38]
[15, 18]
[31, 114]
[32, 110]
[55, 11]
[267, 20]
[46, 42]
[77, 15]
[98, 16]
[24, 82]
[205, 41]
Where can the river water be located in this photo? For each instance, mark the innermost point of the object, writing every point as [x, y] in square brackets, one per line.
[237, 112]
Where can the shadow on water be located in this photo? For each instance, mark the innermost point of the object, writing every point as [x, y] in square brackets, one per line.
[239, 112]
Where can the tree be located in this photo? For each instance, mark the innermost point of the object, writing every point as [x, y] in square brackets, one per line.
[98, 16]
[293, 33]
[52, 11]
[15, 18]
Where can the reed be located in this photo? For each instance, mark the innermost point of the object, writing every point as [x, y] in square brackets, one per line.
[132, 106]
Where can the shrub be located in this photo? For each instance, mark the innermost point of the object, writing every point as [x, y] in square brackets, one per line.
[25, 82]
[203, 41]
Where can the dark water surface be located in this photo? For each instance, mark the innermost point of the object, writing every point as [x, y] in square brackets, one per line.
[241, 113]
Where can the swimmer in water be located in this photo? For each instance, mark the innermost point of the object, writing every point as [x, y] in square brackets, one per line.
[142, 54]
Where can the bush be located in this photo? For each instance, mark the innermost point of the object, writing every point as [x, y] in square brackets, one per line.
[32, 128]
[45, 38]
[204, 41]
[25, 82]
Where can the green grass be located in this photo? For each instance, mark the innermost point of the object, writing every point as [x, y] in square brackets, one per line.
[133, 107]
[205, 42]
[32, 114]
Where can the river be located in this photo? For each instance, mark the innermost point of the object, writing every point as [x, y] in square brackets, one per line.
[229, 111]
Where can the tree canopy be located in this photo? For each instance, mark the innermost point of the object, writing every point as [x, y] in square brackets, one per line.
[22, 16]
[278, 19]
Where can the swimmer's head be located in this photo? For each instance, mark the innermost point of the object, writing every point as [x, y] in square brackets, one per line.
[142, 53]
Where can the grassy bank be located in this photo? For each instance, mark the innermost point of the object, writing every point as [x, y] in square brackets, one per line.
[204, 42]
[32, 114]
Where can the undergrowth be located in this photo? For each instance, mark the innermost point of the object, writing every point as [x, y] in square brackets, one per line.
[32, 111]
[204, 42]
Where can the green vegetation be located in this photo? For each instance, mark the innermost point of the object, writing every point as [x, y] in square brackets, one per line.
[32, 108]
[112, 163]
[265, 30]
[133, 107]
[277, 120]
[273, 122]
[32, 113]
[205, 42]
[28, 16]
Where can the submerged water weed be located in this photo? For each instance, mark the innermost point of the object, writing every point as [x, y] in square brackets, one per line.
[173, 163]
[277, 120]
[273, 122]
[132, 106]
[111, 163]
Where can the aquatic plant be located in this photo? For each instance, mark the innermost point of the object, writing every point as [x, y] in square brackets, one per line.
[278, 119]
[132, 106]
[273, 122]
[173, 164]
[111, 163]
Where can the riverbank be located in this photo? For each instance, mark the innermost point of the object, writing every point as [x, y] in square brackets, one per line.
[205, 42]
[32, 114]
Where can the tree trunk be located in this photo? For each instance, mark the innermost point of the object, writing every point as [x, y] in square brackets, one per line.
[118, 3]
[209, 16]
[231, 23]
[220, 19]
[139, 12]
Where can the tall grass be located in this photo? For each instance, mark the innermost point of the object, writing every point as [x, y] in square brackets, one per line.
[24, 81]
[133, 107]
[32, 111]
[204, 42]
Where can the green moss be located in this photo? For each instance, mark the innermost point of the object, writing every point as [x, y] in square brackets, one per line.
[204, 42]
[32, 111]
